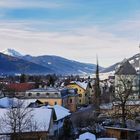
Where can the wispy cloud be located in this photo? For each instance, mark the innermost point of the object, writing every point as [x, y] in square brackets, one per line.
[28, 4]
[75, 30]
[80, 44]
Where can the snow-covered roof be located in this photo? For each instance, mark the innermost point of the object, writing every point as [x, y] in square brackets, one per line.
[86, 136]
[106, 106]
[118, 128]
[48, 89]
[27, 102]
[107, 139]
[81, 84]
[7, 102]
[42, 118]
[60, 111]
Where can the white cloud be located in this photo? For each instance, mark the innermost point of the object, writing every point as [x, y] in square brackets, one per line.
[129, 27]
[79, 44]
[28, 4]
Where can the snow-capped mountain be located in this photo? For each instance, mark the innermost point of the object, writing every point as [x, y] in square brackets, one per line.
[12, 52]
[53, 64]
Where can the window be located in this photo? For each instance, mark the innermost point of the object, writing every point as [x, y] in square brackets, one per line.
[70, 100]
[47, 94]
[79, 101]
[55, 103]
[29, 94]
[56, 94]
[80, 95]
[38, 94]
[46, 103]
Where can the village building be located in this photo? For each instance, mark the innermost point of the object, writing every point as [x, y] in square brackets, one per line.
[46, 123]
[65, 97]
[16, 89]
[121, 133]
[81, 87]
[126, 71]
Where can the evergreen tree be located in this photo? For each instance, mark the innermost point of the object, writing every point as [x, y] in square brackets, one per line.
[97, 90]
[23, 78]
[67, 128]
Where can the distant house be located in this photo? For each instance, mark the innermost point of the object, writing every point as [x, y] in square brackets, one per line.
[17, 89]
[49, 123]
[127, 71]
[65, 97]
[44, 130]
[81, 88]
[121, 133]
[60, 114]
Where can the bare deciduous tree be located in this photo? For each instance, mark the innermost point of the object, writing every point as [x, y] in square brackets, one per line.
[124, 93]
[17, 119]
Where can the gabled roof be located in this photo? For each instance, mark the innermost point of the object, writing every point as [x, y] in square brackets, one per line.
[126, 69]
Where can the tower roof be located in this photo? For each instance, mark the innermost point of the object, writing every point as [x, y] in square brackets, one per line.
[126, 69]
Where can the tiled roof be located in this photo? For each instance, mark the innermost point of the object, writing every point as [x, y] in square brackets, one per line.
[20, 87]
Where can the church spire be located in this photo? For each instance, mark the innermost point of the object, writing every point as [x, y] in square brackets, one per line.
[97, 88]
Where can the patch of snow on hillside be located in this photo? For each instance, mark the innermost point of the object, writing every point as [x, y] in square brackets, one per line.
[132, 61]
[49, 63]
[82, 72]
[11, 52]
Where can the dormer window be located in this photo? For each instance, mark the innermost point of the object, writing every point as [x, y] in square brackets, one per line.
[29, 94]
[47, 94]
[38, 94]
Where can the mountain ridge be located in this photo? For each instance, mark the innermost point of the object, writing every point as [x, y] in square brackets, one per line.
[57, 64]
[134, 60]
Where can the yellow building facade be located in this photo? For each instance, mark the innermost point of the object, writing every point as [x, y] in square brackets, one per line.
[81, 93]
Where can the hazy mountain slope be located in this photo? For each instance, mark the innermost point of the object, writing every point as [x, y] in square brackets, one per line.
[134, 60]
[56, 64]
[12, 65]
[61, 65]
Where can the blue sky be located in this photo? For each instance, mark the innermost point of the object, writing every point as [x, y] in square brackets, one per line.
[75, 29]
